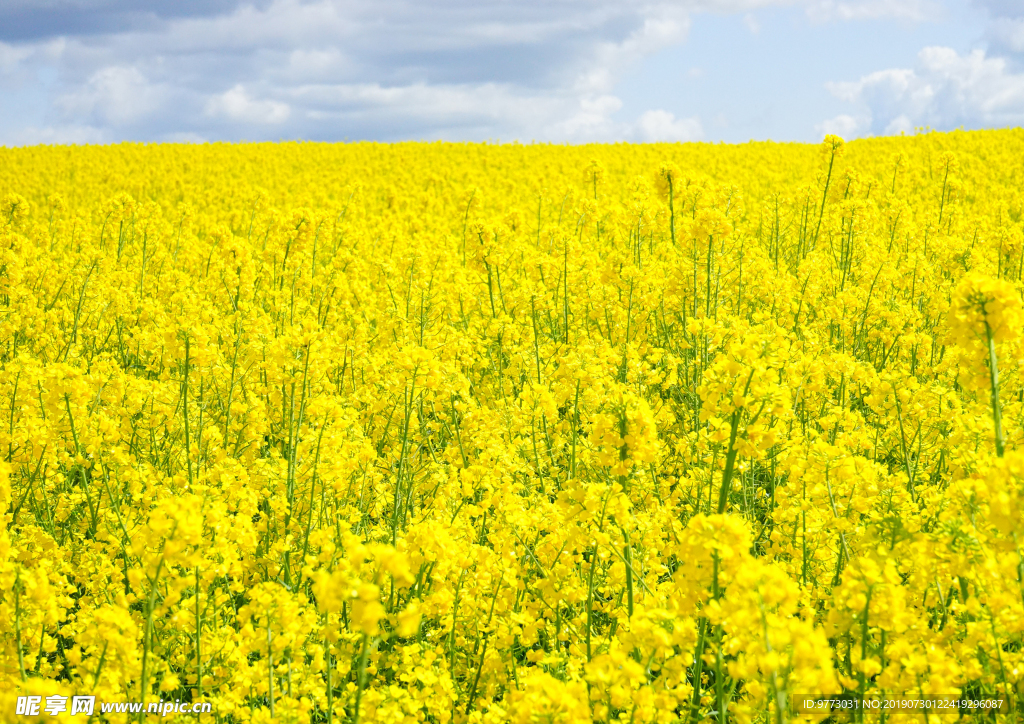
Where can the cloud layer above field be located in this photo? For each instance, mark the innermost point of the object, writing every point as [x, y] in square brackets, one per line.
[944, 88]
[557, 70]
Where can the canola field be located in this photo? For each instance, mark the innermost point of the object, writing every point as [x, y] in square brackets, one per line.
[500, 433]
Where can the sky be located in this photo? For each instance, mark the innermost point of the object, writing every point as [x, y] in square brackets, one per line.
[561, 71]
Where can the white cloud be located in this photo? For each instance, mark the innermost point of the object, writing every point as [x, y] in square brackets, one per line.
[844, 10]
[385, 69]
[237, 105]
[1008, 33]
[945, 90]
[844, 126]
[899, 124]
[117, 95]
[11, 56]
[360, 68]
[61, 134]
[664, 126]
[591, 122]
[306, 65]
[1000, 8]
[478, 109]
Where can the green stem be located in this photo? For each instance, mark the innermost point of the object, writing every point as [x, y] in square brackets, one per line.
[147, 640]
[330, 684]
[270, 668]
[590, 579]
[671, 211]
[17, 620]
[628, 555]
[824, 195]
[993, 370]
[184, 394]
[698, 666]
[361, 683]
[730, 464]
[199, 651]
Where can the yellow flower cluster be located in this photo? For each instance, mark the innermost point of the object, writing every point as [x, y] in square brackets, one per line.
[984, 307]
[475, 434]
